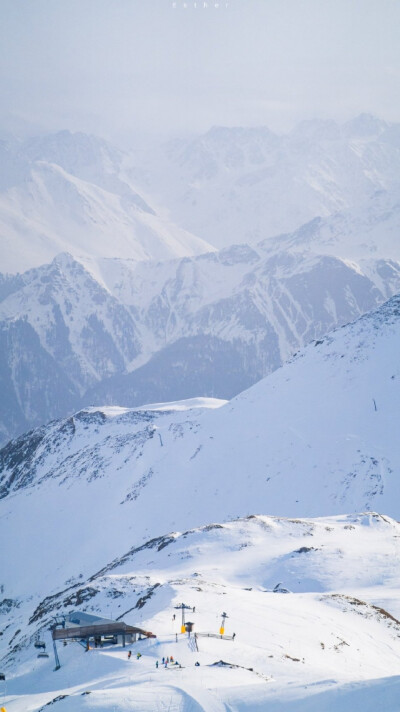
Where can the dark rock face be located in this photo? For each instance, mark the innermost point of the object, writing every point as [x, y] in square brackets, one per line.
[34, 387]
[21, 460]
[67, 333]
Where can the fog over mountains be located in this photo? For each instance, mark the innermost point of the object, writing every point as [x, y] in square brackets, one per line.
[241, 185]
[117, 321]
[76, 193]
[64, 192]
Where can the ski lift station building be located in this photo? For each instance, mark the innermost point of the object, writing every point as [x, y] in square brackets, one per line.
[85, 626]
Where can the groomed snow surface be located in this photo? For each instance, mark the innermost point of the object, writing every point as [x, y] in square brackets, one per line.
[326, 640]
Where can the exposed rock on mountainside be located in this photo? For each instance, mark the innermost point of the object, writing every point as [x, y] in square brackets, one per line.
[127, 333]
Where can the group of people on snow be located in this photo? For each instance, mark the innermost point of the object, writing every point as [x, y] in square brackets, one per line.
[168, 660]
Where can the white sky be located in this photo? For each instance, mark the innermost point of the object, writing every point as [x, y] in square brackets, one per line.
[119, 66]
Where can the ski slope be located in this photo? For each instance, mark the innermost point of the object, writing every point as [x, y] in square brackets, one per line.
[328, 644]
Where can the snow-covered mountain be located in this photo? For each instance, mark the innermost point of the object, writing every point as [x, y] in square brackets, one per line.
[371, 230]
[60, 332]
[220, 322]
[64, 193]
[121, 501]
[307, 650]
[70, 192]
[317, 436]
[234, 185]
[127, 333]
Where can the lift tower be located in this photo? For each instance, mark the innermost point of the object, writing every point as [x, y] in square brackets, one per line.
[183, 606]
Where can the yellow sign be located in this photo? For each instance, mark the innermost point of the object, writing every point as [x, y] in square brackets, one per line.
[183, 628]
[221, 631]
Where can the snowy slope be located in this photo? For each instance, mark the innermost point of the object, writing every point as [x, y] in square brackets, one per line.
[105, 494]
[315, 437]
[245, 184]
[331, 643]
[64, 193]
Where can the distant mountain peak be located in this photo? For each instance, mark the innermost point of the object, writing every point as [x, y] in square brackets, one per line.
[72, 148]
[365, 125]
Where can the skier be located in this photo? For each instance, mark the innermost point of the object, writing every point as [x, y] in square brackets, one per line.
[129, 654]
[157, 664]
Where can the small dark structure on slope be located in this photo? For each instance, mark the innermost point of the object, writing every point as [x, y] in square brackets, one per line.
[84, 628]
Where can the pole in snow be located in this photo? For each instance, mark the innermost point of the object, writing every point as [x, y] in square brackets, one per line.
[57, 667]
[222, 628]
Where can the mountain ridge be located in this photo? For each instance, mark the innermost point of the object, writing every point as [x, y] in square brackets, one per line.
[128, 333]
[234, 185]
[314, 437]
[237, 313]
[65, 192]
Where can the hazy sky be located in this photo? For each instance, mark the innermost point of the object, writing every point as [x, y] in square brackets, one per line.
[118, 66]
